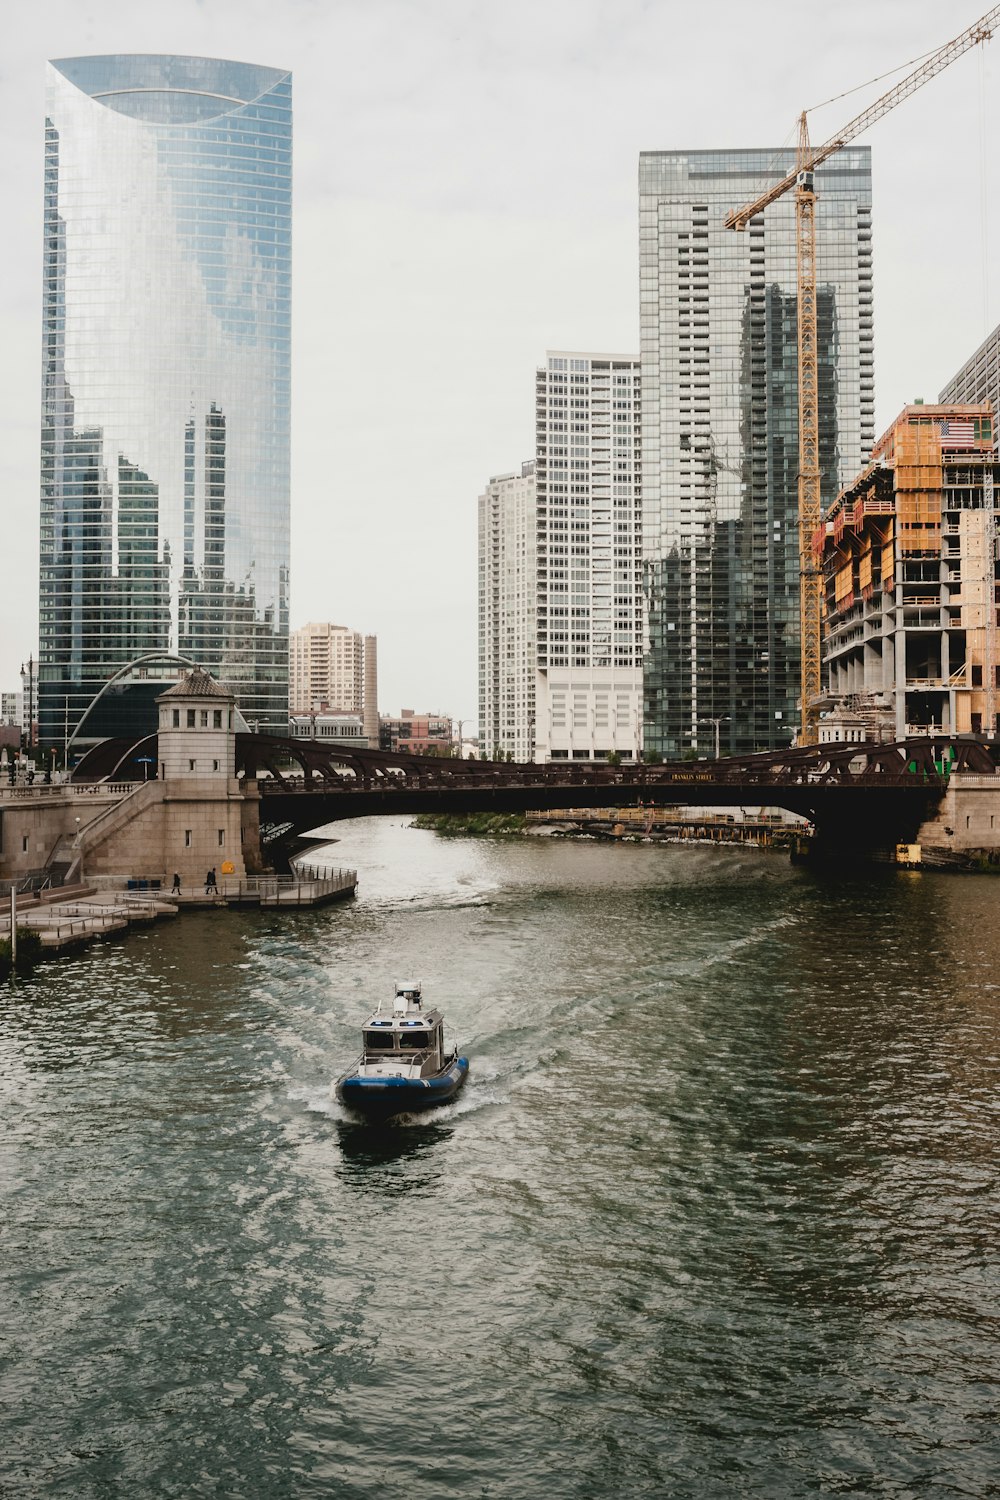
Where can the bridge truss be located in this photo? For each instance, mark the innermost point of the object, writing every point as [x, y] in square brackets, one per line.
[855, 795]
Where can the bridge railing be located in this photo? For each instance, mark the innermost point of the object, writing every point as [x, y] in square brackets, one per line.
[709, 774]
[42, 791]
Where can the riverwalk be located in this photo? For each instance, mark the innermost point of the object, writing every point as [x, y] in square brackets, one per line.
[71, 916]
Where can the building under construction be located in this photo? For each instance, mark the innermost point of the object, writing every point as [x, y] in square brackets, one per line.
[908, 553]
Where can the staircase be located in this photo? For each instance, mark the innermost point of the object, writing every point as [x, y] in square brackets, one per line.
[66, 859]
[63, 864]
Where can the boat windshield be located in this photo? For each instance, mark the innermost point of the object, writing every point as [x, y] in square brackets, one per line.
[378, 1041]
[414, 1039]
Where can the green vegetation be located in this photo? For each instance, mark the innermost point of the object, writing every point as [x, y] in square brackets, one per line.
[473, 825]
[29, 951]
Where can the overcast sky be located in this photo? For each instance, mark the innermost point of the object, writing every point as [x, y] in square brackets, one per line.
[465, 199]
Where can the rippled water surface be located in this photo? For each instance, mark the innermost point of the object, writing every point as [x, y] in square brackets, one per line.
[716, 1214]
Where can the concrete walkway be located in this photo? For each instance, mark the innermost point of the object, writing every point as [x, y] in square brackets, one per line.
[270, 890]
[79, 918]
[73, 915]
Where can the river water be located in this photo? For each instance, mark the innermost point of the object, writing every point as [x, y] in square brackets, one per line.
[716, 1214]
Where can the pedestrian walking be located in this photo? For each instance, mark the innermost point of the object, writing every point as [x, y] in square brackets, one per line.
[175, 889]
[210, 884]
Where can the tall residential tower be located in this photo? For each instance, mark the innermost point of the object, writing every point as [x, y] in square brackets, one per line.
[588, 415]
[720, 431]
[560, 572]
[979, 377]
[165, 389]
[334, 668]
[508, 601]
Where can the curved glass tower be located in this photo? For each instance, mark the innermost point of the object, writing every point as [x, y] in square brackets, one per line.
[165, 387]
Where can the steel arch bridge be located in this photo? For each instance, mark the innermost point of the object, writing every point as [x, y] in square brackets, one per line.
[857, 796]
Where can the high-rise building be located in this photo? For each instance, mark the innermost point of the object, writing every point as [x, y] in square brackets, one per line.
[911, 644]
[979, 378]
[508, 601]
[720, 431]
[165, 393]
[560, 572]
[331, 667]
[588, 691]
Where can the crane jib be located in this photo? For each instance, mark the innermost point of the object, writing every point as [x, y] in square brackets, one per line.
[979, 31]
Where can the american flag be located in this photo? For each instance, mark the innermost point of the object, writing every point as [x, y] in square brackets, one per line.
[955, 434]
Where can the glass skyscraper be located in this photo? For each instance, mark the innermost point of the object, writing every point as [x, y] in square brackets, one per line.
[720, 431]
[165, 389]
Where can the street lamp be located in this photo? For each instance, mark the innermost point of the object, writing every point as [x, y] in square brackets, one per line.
[28, 703]
[721, 719]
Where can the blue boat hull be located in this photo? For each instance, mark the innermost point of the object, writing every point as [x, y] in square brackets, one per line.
[381, 1098]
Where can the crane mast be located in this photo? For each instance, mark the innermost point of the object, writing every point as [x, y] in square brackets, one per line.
[810, 482]
[810, 507]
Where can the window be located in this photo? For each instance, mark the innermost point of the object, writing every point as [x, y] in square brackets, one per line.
[378, 1041]
[190, 765]
[187, 838]
[203, 718]
[217, 718]
[215, 765]
[414, 1039]
[24, 844]
[190, 718]
[222, 837]
[177, 718]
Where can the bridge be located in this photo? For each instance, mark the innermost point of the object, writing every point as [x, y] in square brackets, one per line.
[857, 796]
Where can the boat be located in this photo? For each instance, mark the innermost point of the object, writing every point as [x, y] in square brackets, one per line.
[404, 1066]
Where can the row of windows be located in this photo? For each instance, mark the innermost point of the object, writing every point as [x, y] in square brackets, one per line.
[202, 718]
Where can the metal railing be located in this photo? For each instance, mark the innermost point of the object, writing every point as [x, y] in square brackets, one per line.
[283, 890]
[793, 767]
[61, 925]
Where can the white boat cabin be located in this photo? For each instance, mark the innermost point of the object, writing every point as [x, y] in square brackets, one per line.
[408, 1043]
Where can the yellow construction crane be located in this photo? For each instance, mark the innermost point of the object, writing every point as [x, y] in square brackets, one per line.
[810, 503]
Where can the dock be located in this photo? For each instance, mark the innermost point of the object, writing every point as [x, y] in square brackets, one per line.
[76, 915]
[68, 917]
[307, 888]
